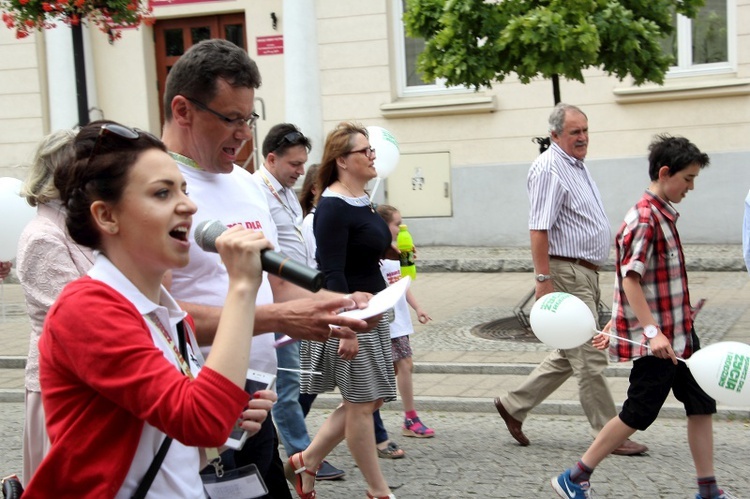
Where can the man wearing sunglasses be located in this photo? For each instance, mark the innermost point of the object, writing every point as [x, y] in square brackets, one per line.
[285, 151]
[208, 108]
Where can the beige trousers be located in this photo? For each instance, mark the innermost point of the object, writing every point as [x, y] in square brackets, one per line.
[586, 362]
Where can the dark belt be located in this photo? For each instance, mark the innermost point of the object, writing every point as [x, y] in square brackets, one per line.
[577, 261]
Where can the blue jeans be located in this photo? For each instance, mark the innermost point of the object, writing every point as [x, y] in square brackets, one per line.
[381, 435]
[287, 411]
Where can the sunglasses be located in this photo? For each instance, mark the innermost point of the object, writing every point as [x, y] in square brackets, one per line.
[109, 130]
[290, 138]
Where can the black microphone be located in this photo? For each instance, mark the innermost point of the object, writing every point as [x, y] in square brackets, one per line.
[272, 262]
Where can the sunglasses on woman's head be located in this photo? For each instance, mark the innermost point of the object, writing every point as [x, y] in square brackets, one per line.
[116, 130]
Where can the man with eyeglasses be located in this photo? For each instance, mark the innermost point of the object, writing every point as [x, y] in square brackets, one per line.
[208, 108]
[570, 240]
[285, 151]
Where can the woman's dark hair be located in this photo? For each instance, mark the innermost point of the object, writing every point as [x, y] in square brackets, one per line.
[104, 153]
[307, 194]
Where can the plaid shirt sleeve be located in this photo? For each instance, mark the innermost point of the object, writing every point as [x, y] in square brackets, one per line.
[648, 244]
[634, 245]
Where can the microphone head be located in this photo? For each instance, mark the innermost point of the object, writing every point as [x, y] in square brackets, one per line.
[206, 232]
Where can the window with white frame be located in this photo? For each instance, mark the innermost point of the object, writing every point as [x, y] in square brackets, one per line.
[409, 79]
[704, 44]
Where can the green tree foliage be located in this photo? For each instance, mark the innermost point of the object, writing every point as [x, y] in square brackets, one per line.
[478, 42]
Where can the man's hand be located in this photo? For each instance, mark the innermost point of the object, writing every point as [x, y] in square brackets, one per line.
[544, 288]
[601, 341]
[311, 318]
[257, 411]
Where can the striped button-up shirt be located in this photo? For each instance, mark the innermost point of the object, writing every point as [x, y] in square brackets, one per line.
[566, 203]
[649, 245]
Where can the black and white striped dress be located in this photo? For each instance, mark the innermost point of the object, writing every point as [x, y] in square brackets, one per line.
[351, 238]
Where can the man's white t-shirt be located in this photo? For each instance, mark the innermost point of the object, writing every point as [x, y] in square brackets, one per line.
[233, 198]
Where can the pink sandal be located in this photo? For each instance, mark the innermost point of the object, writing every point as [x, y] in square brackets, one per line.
[415, 428]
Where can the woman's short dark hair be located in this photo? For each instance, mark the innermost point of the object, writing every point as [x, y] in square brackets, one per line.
[103, 159]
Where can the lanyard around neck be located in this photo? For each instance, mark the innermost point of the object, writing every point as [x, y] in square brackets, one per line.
[185, 160]
[184, 366]
[291, 212]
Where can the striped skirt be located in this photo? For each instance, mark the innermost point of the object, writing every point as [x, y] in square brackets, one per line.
[368, 377]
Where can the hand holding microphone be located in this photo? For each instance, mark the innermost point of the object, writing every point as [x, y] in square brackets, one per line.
[272, 262]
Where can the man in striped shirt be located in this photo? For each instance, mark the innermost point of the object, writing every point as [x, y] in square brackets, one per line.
[570, 240]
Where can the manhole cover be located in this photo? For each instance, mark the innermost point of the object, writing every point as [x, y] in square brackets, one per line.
[511, 328]
[507, 328]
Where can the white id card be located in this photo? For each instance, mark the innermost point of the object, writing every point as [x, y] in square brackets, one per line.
[241, 483]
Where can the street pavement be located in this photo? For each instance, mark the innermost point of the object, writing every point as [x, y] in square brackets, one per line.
[459, 372]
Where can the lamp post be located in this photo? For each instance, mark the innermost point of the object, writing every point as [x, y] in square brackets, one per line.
[80, 71]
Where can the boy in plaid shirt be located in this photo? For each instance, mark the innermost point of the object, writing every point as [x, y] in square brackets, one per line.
[652, 308]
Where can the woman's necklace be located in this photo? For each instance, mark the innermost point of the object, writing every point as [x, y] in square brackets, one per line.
[372, 208]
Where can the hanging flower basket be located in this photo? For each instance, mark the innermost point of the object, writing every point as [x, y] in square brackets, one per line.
[110, 16]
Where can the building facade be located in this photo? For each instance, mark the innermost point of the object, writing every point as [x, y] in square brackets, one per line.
[464, 155]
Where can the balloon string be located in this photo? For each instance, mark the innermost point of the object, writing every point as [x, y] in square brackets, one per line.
[298, 371]
[375, 189]
[631, 341]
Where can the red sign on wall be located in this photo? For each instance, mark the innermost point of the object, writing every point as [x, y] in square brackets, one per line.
[270, 45]
[167, 3]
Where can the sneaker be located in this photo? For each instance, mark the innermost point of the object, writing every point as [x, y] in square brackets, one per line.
[570, 490]
[415, 428]
[327, 471]
[722, 495]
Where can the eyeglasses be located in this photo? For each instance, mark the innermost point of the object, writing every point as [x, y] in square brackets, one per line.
[235, 122]
[112, 128]
[367, 151]
[290, 138]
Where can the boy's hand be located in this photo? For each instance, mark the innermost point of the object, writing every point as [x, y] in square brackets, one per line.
[661, 347]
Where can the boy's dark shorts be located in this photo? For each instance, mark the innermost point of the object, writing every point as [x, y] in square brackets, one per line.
[650, 381]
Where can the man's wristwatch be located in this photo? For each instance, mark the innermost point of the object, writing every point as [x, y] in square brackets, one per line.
[650, 331]
[543, 277]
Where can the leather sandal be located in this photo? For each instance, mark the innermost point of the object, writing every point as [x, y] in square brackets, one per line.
[392, 451]
[294, 475]
[389, 496]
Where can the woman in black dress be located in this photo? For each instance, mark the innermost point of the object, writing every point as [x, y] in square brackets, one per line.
[351, 239]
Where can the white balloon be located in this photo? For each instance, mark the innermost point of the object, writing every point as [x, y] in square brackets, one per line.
[562, 320]
[386, 150]
[16, 213]
[721, 370]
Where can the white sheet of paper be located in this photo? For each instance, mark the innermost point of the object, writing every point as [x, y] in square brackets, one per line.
[382, 301]
[378, 304]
